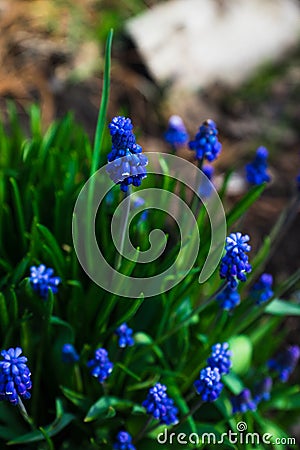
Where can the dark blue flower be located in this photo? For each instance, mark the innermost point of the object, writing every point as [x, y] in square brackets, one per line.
[205, 188]
[220, 358]
[229, 298]
[123, 442]
[243, 402]
[262, 390]
[285, 362]
[206, 143]
[160, 406]
[100, 365]
[176, 134]
[298, 182]
[42, 280]
[256, 171]
[125, 335]
[209, 384]
[127, 164]
[235, 265]
[261, 292]
[14, 376]
[69, 354]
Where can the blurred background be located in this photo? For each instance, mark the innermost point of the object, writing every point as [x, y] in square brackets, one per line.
[237, 62]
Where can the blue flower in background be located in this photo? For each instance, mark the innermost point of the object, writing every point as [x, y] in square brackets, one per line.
[229, 298]
[235, 265]
[123, 441]
[100, 365]
[209, 384]
[256, 171]
[285, 362]
[262, 390]
[261, 292]
[125, 336]
[298, 182]
[42, 279]
[205, 188]
[14, 376]
[127, 163]
[160, 406]
[220, 358]
[69, 354]
[206, 143]
[243, 402]
[176, 134]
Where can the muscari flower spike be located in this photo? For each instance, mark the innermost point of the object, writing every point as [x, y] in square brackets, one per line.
[127, 164]
[125, 336]
[220, 358]
[285, 362]
[101, 366]
[15, 379]
[42, 279]
[262, 390]
[243, 402]
[209, 384]
[256, 171]
[235, 265]
[206, 143]
[176, 134]
[160, 406]
[69, 354]
[298, 182]
[261, 291]
[205, 188]
[229, 298]
[123, 441]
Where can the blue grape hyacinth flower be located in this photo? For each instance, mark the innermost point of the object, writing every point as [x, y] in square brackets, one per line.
[220, 358]
[101, 367]
[42, 279]
[235, 265]
[229, 298]
[256, 171]
[123, 441]
[262, 390]
[209, 384]
[127, 164]
[160, 406]
[285, 362]
[205, 188]
[243, 402]
[176, 134]
[206, 144]
[125, 336]
[261, 291]
[69, 354]
[15, 379]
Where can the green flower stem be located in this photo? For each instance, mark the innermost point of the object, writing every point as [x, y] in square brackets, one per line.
[25, 414]
[124, 226]
[144, 430]
[195, 408]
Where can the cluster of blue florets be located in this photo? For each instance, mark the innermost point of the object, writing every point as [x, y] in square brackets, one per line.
[15, 379]
[261, 292]
[285, 362]
[123, 441]
[229, 298]
[256, 171]
[127, 164]
[235, 265]
[69, 354]
[176, 134]
[125, 336]
[160, 406]
[243, 402]
[206, 144]
[42, 279]
[262, 390]
[221, 358]
[101, 367]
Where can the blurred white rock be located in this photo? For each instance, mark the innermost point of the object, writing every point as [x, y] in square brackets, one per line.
[194, 43]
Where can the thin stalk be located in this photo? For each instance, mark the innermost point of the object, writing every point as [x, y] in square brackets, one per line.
[196, 406]
[25, 414]
[143, 430]
[124, 225]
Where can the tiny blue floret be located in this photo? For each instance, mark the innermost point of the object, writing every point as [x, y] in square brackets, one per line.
[235, 265]
[220, 358]
[125, 336]
[229, 298]
[160, 406]
[101, 367]
[261, 292]
[123, 441]
[285, 362]
[243, 402]
[206, 143]
[176, 134]
[69, 354]
[209, 384]
[256, 171]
